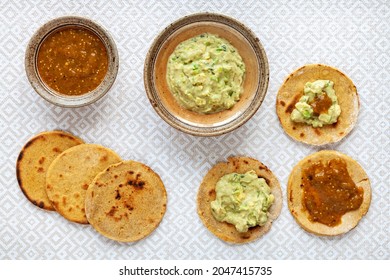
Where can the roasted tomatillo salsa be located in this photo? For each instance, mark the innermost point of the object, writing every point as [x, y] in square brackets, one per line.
[72, 61]
[205, 74]
[242, 200]
[329, 191]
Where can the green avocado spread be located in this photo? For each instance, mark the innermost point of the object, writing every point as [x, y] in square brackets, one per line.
[318, 106]
[242, 200]
[205, 74]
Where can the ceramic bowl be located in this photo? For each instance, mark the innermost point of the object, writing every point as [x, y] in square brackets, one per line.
[254, 87]
[67, 100]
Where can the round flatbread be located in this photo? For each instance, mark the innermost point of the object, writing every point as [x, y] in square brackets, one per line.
[34, 160]
[295, 193]
[291, 91]
[70, 174]
[206, 194]
[126, 202]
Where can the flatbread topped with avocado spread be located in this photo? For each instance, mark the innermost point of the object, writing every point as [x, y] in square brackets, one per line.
[328, 193]
[317, 104]
[35, 158]
[238, 200]
[126, 201]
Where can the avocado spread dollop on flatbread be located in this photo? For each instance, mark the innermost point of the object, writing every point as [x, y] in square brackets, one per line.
[318, 106]
[242, 200]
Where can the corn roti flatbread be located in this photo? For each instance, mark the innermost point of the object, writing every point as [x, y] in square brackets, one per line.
[35, 158]
[206, 194]
[126, 202]
[295, 193]
[291, 91]
[70, 174]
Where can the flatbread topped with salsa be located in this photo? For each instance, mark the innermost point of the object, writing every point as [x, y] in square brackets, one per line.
[328, 193]
[317, 104]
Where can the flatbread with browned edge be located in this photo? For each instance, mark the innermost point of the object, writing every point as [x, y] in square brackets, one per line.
[34, 160]
[70, 174]
[206, 194]
[295, 193]
[126, 202]
[291, 91]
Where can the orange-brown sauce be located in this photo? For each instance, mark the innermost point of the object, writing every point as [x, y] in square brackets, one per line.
[329, 192]
[72, 61]
[321, 104]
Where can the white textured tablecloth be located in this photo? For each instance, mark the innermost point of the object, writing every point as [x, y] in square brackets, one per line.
[353, 36]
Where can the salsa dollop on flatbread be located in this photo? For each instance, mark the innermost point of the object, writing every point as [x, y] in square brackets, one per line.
[328, 193]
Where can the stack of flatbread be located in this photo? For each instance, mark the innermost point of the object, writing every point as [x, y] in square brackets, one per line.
[58, 171]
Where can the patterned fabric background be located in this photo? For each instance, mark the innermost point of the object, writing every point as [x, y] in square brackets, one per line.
[353, 36]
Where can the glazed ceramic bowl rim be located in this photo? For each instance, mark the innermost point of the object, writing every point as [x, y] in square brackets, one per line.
[192, 128]
[49, 94]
